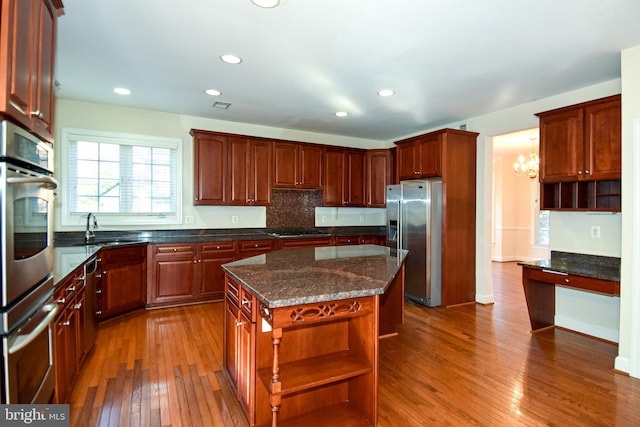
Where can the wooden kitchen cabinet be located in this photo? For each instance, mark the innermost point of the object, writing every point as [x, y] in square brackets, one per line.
[297, 165]
[379, 174]
[580, 156]
[27, 42]
[69, 333]
[239, 342]
[187, 272]
[211, 186]
[250, 169]
[419, 156]
[344, 178]
[122, 286]
[249, 248]
[304, 243]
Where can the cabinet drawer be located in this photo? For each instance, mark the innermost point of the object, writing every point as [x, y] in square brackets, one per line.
[347, 240]
[64, 292]
[247, 305]
[608, 287]
[233, 291]
[218, 247]
[252, 245]
[174, 249]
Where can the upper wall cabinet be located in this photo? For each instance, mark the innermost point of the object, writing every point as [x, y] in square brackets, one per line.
[211, 186]
[231, 169]
[297, 165]
[580, 156]
[379, 173]
[27, 43]
[344, 182]
[419, 157]
[250, 162]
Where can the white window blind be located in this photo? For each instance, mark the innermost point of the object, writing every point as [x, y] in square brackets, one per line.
[121, 175]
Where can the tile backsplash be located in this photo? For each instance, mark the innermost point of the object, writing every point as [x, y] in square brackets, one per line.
[293, 208]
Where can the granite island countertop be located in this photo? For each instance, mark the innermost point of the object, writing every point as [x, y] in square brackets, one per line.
[308, 275]
[593, 266]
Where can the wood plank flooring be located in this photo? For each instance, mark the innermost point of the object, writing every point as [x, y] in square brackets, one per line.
[466, 365]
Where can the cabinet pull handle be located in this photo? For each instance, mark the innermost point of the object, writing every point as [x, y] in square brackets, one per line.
[37, 113]
[98, 291]
[78, 306]
[246, 302]
[71, 288]
[238, 323]
[99, 313]
[66, 323]
[98, 276]
[61, 301]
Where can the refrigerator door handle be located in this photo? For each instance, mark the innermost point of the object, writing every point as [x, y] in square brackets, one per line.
[400, 232]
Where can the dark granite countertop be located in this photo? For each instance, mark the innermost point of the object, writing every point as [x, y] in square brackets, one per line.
[593, 266]
[307, 275]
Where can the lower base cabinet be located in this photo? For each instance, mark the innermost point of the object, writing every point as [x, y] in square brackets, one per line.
[122, 286]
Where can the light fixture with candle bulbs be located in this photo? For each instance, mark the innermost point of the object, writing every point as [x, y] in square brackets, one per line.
[529, 167]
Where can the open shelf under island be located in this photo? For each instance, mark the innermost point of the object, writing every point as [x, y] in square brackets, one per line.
[301, 332]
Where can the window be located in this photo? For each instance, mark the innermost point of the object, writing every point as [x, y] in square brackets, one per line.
[542, 228]
[122, 178]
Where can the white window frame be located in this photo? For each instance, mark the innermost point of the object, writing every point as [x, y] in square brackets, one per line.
[116, 219]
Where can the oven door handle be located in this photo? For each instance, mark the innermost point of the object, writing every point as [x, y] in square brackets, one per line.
[47, 180]
[24, 340]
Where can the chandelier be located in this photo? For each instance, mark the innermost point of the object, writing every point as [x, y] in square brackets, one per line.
[530, 167]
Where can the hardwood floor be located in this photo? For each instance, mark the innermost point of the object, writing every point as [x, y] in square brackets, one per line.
[465, 365]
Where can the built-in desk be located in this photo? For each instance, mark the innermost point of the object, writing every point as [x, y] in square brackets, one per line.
[577, 271]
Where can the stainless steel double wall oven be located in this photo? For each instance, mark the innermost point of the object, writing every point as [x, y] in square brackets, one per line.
[27, 308]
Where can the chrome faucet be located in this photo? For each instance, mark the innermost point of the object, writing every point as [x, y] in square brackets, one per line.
[90, 232]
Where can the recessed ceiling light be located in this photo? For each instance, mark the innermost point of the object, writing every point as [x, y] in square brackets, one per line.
[231, 59]
[342, 114]
[266, 3]
[122, 91]
[213, 92]
[221, 105]
[385, 92]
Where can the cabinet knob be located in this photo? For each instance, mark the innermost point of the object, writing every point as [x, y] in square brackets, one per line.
[78, 306]
[61, 301]
[586, 171]
[256, 245]
[238, 323]
[66, 323]
[99, 313]
[71, 288]
[175, 250]
[98, 291]
[579, 172]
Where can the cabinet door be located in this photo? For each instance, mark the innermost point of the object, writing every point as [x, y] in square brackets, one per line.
[260, 172]
[211, 257]
[64, 355]
[285, 164]
[406, 156]
[17, 49]
[41, 104]
[355, 177]
[561, 146]
[230, 356]
[210, 164]
[603, 141]
[123, 281]
[334, 177]
[429, 156]
[378, 176]
[246, 336]
[239, 164]
[310, 166]
[174, 275]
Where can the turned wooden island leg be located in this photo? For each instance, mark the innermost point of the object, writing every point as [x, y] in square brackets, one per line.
[276, 385]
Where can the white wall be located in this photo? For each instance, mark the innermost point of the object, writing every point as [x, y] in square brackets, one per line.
[628, 359]
[83, 115]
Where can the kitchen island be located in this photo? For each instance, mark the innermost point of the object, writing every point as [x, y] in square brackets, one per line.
[301, 332]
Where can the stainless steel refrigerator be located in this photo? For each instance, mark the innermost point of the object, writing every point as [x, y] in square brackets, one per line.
[414, 222]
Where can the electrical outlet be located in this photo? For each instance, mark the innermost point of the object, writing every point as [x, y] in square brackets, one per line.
[324, 218]
[361, 218]
[188, 219]
[595, 231]
[234, 219]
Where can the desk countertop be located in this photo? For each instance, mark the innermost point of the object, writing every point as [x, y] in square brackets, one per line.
[597, 267]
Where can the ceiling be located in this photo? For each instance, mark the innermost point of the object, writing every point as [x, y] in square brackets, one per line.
[307, 59]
